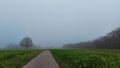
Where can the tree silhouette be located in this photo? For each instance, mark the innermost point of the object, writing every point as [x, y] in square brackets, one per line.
[26, 42]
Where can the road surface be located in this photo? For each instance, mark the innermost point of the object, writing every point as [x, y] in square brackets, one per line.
[43, 60]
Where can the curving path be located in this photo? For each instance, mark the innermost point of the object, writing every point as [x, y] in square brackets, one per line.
[43, 60]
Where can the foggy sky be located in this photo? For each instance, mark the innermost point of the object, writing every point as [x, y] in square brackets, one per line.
[57, 22]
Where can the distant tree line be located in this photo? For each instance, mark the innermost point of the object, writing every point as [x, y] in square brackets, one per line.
[109, 41]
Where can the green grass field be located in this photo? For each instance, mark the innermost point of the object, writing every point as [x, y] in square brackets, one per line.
[66, 58]
[87, 58]
[16, 58]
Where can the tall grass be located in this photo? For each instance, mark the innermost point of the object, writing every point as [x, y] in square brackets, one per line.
[16, 58]
[87, 58]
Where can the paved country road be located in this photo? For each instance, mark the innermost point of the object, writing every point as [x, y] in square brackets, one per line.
[43, 60]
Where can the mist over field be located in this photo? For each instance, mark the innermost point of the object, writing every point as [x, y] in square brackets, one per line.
[52, 23]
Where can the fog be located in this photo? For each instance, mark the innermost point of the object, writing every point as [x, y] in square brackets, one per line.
[52, 23]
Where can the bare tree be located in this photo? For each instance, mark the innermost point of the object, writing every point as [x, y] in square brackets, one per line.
[26, 42]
